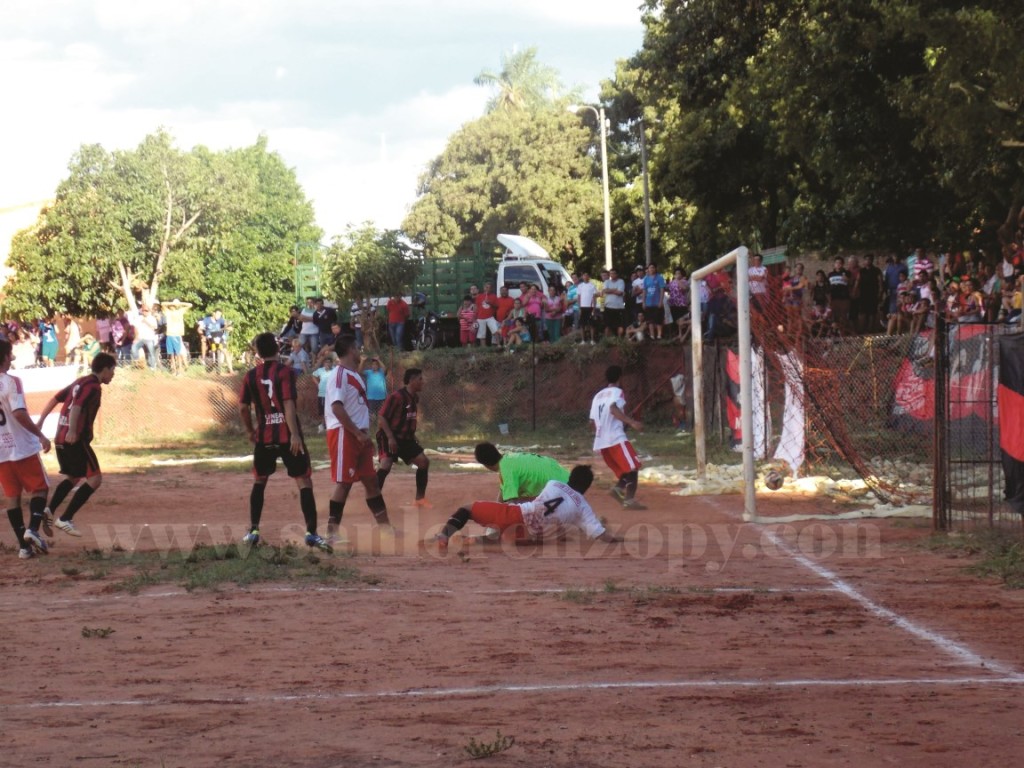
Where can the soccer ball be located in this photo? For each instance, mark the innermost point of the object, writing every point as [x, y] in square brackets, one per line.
[773, 480]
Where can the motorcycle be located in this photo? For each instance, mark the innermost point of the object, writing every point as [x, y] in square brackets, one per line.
[428, 330]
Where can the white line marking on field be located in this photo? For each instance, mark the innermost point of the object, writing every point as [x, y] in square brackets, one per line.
[951, 647]
[423, 693]
[36, 601]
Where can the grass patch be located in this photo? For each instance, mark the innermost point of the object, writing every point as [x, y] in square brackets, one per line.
[209, 568]
[479, 749]
[997, 554]
[577, 595]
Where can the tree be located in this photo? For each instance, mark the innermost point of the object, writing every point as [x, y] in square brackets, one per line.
[214, 229]
[520, 172]
[364, 265]
[828, 125]
[522, 84]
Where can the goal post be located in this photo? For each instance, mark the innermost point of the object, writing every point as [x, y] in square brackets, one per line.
[739, 257]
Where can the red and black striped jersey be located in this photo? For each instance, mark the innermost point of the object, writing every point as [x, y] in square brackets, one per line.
[86, 393]
[399, 411]
[266, 388]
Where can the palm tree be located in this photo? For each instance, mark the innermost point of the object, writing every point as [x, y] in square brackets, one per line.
[523, 83]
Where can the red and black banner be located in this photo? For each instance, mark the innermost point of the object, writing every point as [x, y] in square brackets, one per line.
[732, 395]
[1011, 417]
[970, 377]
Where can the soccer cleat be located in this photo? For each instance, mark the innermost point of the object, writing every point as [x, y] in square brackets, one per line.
[617, 493]
[68, 527]
[632, 504]
[252, 538]
[442, 543]
[423, 503]
[36, 543]
[491, 534]
[25, 554]
[317, 542]
[48, 523]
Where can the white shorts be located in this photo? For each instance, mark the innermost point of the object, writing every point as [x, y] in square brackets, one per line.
[482, 326]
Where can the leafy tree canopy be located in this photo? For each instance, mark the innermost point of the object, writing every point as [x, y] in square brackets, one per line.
[827, 124]
[530, 173]
[216, 229]
[366, 264]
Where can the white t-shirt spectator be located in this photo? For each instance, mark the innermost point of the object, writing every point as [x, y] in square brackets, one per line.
[758, 277]
[309, 327]
[586, 292]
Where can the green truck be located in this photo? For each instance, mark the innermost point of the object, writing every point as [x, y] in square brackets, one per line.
[437, 292]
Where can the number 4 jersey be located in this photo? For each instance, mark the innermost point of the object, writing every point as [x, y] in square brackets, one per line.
[559, 507]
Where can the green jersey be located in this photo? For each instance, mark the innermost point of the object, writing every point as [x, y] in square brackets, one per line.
[524, 475]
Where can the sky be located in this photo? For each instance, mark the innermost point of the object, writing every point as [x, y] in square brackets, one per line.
[356, 95]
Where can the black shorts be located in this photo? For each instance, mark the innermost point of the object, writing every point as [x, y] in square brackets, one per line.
[615, 318]
[407, 449]
[655, 315]
[77, 460]
[586, 316]
[264, 461]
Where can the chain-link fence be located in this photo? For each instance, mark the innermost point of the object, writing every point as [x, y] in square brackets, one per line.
[969, 493]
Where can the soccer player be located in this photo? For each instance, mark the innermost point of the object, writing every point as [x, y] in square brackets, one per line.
[269, 388]
[348, 438]
[21, 469]
[521, 476]
[79, 406]
[558, 507]
[607, 415]
[396, 435]
[80, 402]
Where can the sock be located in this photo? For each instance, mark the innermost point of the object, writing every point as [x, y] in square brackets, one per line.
[456, 522]
[77, 501]
[18, 525]
[36, 505]
[337, 508]
[379, 510]
[308, 504]
[256, 505]
[60, 493]
[421, 482]
[381, 477]
[628, 482]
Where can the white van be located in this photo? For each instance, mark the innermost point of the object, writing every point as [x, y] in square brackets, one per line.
[526, 261]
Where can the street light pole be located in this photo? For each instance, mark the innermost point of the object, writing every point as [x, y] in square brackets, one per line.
[647, 193]
[599, 113]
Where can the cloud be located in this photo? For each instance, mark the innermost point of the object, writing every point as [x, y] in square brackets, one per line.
[357, 97]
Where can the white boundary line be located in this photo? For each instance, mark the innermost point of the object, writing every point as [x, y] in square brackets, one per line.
[959, 651]
[428, 693]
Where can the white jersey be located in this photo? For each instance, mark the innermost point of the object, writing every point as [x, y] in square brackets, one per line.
[586, 292]
[559, 507]
[758, 280]
[346, 387]
[16, 442]
[610, 430]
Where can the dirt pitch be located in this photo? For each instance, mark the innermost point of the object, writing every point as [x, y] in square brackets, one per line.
[702, 641]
